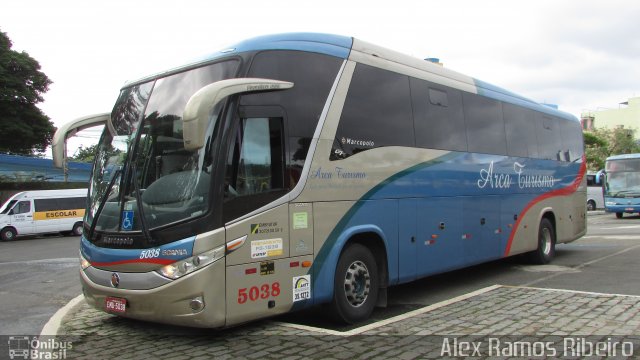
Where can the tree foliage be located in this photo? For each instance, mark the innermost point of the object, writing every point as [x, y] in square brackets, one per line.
[85, 154]
[602, 143]
[24, 128]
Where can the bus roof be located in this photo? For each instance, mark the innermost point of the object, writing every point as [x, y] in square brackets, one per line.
[342, 46]
[624, 157]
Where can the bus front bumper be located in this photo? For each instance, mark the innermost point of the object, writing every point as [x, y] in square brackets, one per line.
[620, 208]
[172, 303]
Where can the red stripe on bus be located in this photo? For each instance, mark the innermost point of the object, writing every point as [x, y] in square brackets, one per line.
[560, 192]
[132, 261]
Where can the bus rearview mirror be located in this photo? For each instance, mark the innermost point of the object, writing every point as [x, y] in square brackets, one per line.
[58, 144]
[197, 112]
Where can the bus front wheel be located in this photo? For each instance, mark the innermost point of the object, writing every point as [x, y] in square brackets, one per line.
[356, 285]
[8, 234]
[546, 243]
[619, 215]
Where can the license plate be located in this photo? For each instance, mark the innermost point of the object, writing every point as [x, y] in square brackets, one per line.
[116, 305]
[628, 209]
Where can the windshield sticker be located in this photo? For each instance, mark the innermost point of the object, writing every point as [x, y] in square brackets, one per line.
[266, 248]
[301, 288]
[127, 220]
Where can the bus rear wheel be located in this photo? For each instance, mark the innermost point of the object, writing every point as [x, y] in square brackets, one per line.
[356, 285]
[8, 234]
[546, 244]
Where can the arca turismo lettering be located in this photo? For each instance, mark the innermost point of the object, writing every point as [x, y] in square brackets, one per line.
[337, 173]
[494, 180]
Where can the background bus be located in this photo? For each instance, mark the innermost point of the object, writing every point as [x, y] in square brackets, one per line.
[303, 169]
[622, 184]
[595, 197]
[42, 212]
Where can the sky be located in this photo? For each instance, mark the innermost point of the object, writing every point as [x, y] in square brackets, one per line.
[582, 55]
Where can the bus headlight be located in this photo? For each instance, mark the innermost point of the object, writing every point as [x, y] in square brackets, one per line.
[183, 267]
[84, 263]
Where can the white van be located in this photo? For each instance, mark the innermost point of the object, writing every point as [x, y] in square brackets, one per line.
[595, 199]
[43, 211]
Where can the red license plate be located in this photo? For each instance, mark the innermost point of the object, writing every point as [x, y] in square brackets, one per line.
[116, 305]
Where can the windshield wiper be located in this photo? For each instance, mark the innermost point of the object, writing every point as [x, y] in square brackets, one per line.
[103, 202]
[138, 194]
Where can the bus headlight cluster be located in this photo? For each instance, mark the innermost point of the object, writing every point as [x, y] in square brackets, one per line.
[183, 267]
[84, 263]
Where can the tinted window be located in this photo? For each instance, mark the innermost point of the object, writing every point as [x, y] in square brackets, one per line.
[377, 112]
[60, 204]
[549, 138]
[485, 126]
[255, 166]
[572, 139]
[312, 76]
[520, 127]
[439, 120]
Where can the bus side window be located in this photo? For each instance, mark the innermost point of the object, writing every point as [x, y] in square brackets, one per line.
[255, 166]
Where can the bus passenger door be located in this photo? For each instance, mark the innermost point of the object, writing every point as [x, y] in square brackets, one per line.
[408, 240]
[264, 276]
[22, 217]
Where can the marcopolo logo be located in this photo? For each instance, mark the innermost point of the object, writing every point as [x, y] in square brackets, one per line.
[24, 347]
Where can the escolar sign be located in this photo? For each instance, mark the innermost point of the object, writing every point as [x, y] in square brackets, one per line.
[58, 214]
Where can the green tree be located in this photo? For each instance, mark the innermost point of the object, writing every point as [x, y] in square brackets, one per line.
[85, 154]
[602, 143]
[24, 128]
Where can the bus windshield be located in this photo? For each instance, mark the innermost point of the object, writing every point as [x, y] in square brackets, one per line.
[623, 178]
[143, 177]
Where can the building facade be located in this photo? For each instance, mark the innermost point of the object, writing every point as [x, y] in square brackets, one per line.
[627, 116]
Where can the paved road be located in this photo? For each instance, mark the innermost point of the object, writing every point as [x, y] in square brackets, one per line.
[38, 275]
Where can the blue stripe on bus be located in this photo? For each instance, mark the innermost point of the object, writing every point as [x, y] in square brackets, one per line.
[374, 212]
[334, 45]
[165, 254]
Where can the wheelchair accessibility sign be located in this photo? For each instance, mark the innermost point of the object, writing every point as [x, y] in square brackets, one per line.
[127, 220]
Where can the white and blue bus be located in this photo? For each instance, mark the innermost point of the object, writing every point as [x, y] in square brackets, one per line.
[303, 169]
[622, 184]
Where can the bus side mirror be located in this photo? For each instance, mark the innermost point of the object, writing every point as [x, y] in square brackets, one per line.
[58, 145]
[197, 112]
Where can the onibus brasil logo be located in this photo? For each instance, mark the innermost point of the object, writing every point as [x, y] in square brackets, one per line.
[23, 347]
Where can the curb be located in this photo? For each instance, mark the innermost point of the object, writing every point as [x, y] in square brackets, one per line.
[53, 325]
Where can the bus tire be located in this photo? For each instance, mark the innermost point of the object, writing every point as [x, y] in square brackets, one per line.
[8, 234]
[77, 229]
[619, 215]
[356, 285]
[546, 244]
